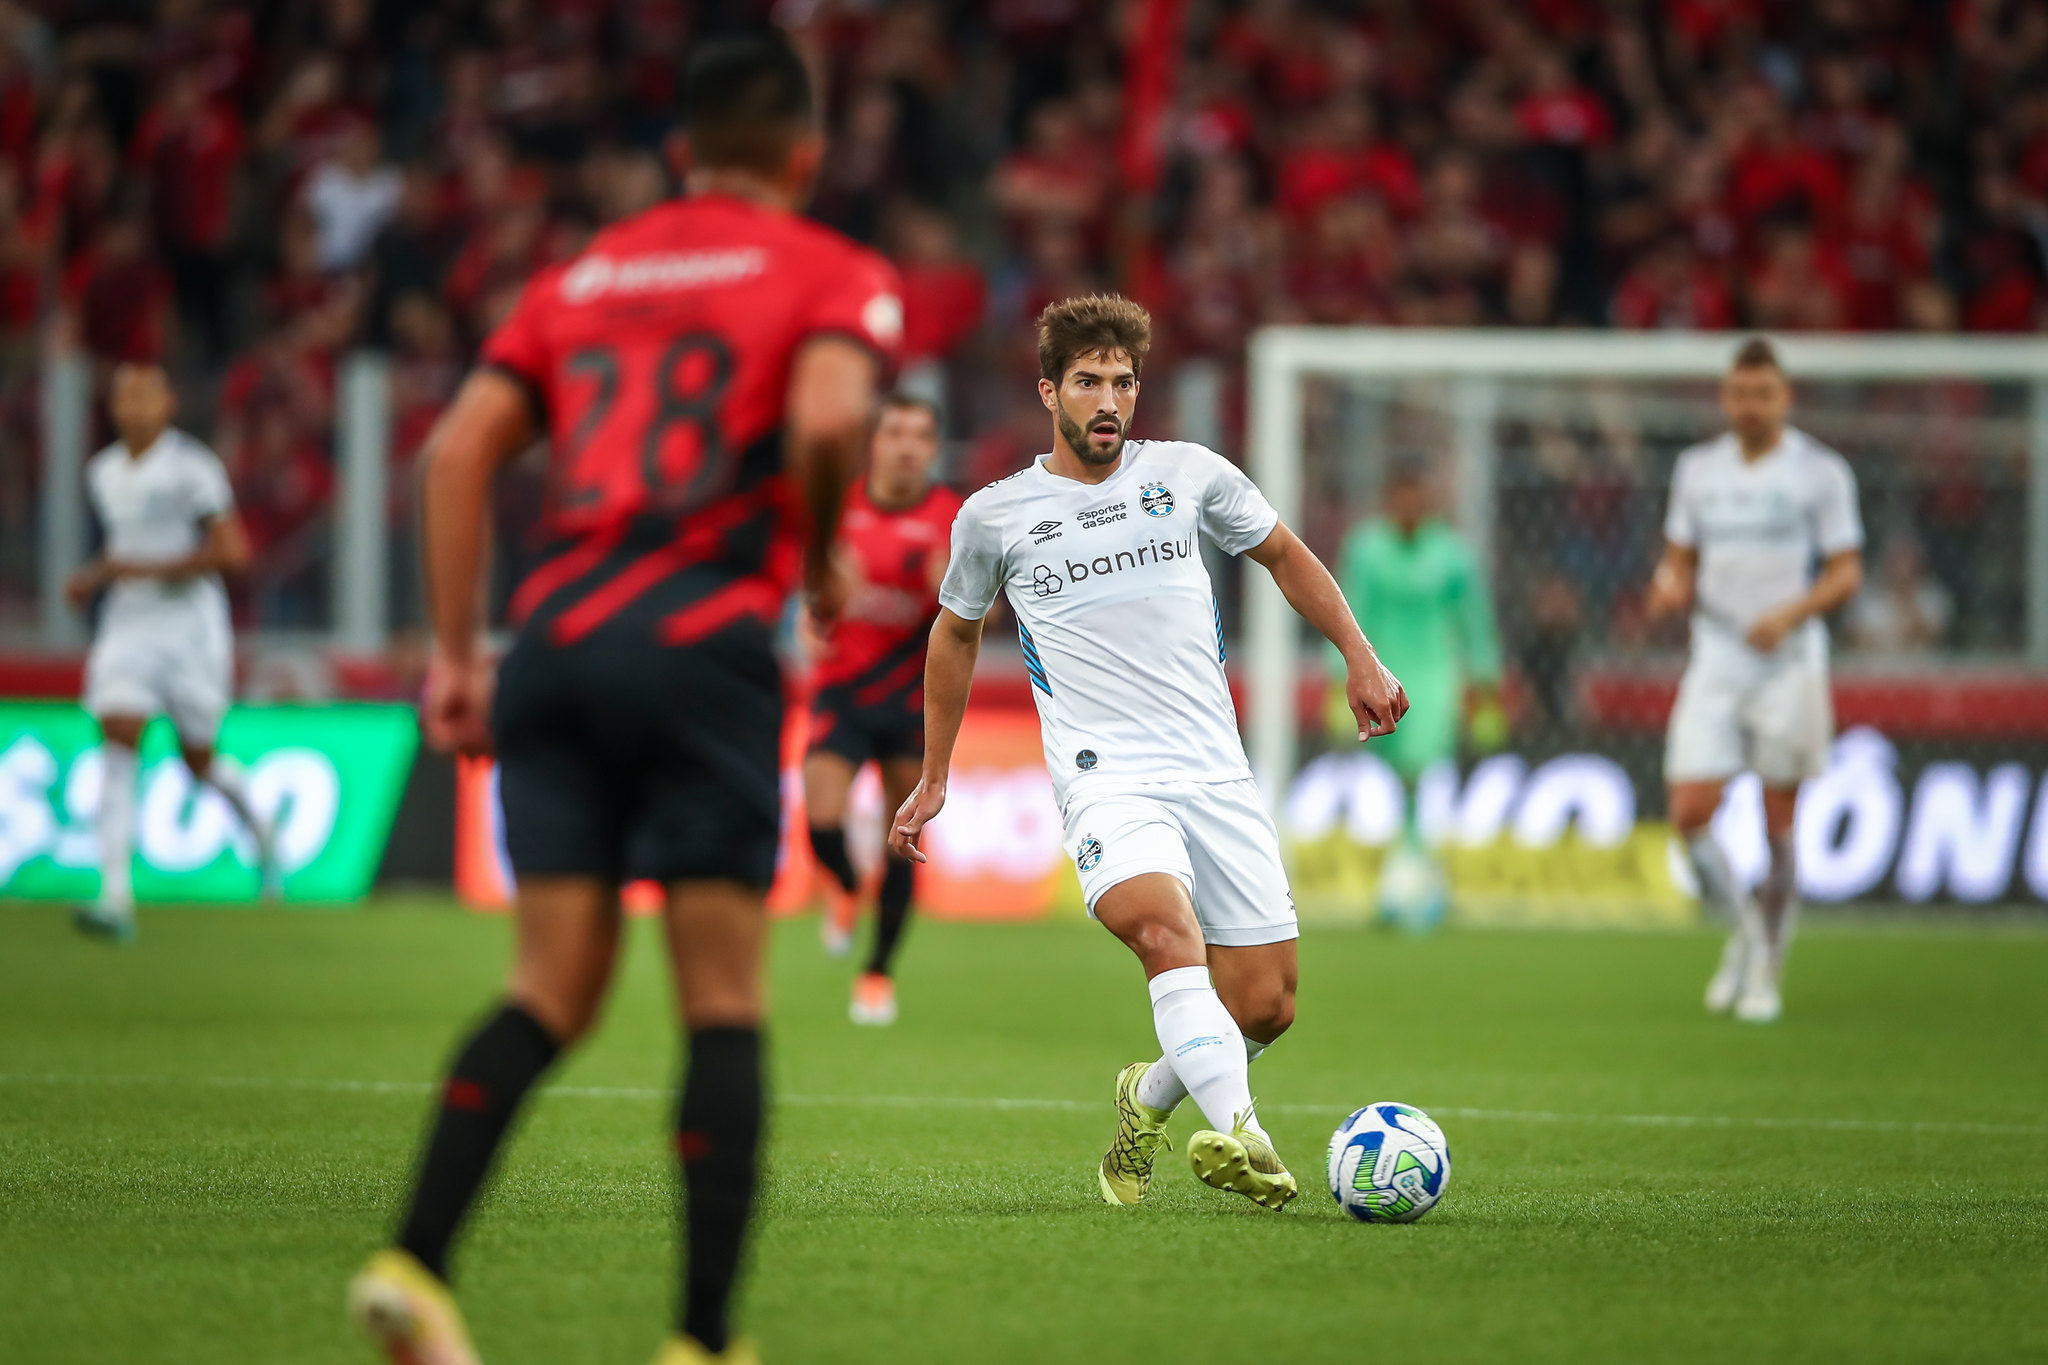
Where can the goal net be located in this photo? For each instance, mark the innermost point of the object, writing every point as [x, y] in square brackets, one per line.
[1548, 457]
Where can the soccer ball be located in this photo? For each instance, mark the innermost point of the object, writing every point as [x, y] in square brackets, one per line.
[1389, 1163]
[1411, 889]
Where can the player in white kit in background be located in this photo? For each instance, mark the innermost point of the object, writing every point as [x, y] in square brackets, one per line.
[1752, 513]
[1096, 546]
[164, 645]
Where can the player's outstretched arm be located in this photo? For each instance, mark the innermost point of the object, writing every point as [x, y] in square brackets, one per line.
[948, 676]
[1376, 696]
[490, 420]
[831, 402]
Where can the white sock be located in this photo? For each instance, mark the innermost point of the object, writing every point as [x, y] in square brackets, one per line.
[116, 825]
[1160, 1087]
[1204, 1046]
[1718, 888]
[1778, 898]
[226, 778]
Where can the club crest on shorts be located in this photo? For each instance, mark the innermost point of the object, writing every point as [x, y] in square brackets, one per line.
[1088, 854]
[1085, 760]
[1156, 499]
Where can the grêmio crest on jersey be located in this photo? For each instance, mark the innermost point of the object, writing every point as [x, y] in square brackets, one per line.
[1156, 499]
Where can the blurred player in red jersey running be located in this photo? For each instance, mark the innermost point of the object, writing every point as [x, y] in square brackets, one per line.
[870, 677]
[706, 373]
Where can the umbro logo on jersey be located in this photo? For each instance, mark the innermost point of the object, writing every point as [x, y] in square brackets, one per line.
[1045, 530]
[1044, 582]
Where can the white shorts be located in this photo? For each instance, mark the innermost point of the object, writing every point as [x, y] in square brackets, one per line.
[1741, 711]
[133, 672]
[1215, 836]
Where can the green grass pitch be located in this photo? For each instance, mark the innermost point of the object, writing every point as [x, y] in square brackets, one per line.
[188, 1172]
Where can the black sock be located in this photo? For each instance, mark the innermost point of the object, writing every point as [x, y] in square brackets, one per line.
[718, 1129]
[892, 912]
[490, 1077]
[828, 846]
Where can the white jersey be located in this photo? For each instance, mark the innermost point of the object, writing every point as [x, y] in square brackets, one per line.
[1760, 527]
[1122, 635]
[154, 508]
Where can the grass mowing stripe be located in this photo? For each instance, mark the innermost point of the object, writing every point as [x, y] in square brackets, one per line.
[627, 1092]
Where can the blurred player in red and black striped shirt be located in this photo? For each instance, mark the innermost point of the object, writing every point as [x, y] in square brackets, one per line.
[869, 704]
[706, 374]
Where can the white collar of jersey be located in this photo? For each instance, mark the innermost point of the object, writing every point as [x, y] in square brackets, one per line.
[166, 440]
[1124, 463]
[1790, 440]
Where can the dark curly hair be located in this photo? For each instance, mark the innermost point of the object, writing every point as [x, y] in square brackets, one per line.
[1093, 322]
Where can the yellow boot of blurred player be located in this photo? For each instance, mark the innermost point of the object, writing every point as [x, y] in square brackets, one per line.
[689, 1351]
[408, 1311]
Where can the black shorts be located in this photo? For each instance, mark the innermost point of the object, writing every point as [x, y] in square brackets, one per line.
[625, 759]
[890, 728]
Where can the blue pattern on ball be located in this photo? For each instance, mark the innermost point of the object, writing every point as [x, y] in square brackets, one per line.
[1400, 1140]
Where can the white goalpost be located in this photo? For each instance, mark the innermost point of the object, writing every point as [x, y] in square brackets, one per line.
[1474, 384]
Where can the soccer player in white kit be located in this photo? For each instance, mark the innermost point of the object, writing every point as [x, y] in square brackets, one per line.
[164, 646]
[1096, 546]
[1752, 513]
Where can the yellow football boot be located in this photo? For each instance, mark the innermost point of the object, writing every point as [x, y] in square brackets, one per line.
[1140, 1132]
[1242, 1162]
[409, 1312]
[680, 1350]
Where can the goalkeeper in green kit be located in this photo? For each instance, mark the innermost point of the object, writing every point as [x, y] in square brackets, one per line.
[1418, 591]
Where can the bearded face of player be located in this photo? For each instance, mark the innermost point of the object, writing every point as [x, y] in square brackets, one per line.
[1756, 400]
[1094, 404]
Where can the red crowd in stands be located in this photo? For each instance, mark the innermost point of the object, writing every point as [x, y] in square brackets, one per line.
[250, 189]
